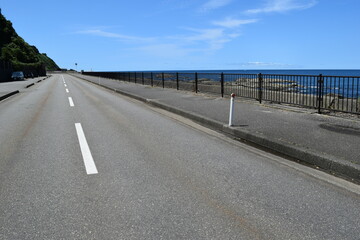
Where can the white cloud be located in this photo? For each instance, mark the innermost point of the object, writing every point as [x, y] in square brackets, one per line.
[233, 23]
[261, 63]
[214, 4]
[265, 64]
[205, 34]
[283, 6]
[191, 41]
[209, 39]
[101, 33]
[165, 50]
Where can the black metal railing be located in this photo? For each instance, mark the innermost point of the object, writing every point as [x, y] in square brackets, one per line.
[335, 93]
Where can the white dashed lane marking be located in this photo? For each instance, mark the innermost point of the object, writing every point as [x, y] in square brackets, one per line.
[71, 102]
[85, 150]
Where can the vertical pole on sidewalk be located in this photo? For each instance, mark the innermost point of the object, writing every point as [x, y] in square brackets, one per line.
[231, 109]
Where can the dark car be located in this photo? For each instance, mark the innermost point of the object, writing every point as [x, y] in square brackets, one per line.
[17, 76]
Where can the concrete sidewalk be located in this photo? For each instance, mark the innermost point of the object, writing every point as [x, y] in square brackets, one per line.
[7, 89]
[330, 143]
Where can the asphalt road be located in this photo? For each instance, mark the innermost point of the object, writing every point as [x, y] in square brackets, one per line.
[80, 162]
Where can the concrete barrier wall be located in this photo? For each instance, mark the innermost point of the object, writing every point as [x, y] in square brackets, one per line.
[5, 71]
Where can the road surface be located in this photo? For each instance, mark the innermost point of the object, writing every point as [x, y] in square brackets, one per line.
[81, 162]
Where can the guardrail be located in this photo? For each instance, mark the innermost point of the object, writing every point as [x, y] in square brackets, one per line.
[334, 93]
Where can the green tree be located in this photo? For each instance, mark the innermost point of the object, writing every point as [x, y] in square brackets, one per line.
[23, 56]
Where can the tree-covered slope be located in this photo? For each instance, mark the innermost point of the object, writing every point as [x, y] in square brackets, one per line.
[22, 55]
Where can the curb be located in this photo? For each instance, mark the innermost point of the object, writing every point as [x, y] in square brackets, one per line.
[304, 155]
[17, 91]
[8, 95]
[322, 160]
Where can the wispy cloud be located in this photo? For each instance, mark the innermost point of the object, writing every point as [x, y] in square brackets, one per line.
[233, 23]
[264, 64]
[204, 34]
[281, 6]
[101, 33]
[214, 4]
[165, 50]
[208, 39]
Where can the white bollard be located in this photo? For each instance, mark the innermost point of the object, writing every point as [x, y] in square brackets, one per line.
[231, 109]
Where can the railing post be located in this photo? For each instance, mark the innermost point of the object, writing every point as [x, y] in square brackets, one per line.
[177, 81]
[320, 83]
[163, 79]
[129, 75]
[142, 77]
[260, 80]
[152, 80]
[135, 77]
[222, 84]
[196, 82]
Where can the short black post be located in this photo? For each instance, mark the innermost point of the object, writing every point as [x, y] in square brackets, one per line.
[222, 84]
[135, 77]
[142, 77]
[320, 83]
[260, 80]
[196, 82]
[177, 81]
[129, 75]
[163, 80]
[152, 79]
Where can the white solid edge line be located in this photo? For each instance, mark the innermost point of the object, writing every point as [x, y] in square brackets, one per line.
[85, 150]
[71, 102]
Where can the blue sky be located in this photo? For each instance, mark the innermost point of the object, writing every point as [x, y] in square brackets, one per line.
[133, 35]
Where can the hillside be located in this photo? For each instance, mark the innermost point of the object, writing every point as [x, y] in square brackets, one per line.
[22, 56]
